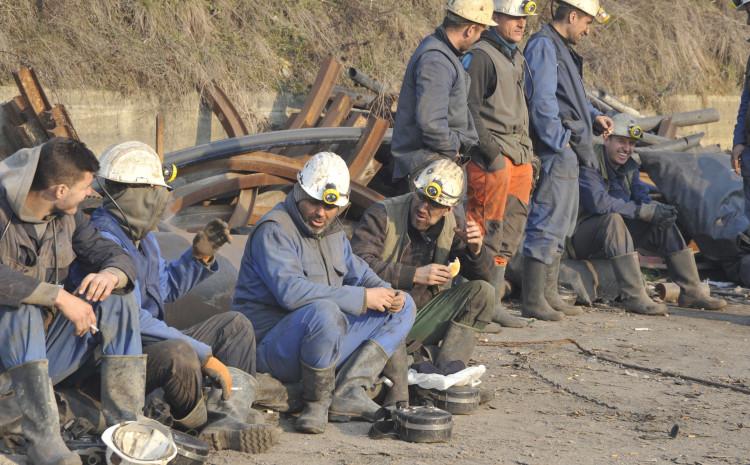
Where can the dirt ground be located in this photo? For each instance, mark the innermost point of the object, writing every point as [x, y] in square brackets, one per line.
[555, 405]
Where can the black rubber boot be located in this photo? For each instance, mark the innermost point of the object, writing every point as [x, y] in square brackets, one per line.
[397, 370]
[355, 377]
[633, 297]
[233, 424]
[123, 390]
[533, 302]
[194, 420]
[502, 317]
[684, 273]
[317, 390]
[551, 290]
[40, 421]
[458, 344]
[272, 394]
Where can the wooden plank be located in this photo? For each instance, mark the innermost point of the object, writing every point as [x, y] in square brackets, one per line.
[318, 96]
[363, 166]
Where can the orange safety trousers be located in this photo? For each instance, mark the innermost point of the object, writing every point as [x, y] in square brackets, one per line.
[498, 202]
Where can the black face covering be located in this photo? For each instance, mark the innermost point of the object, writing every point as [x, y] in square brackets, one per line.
[137, 208]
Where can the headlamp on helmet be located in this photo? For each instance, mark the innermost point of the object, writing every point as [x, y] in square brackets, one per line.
[330, 195]
[530, 7]
[433, 190]
[635, 132]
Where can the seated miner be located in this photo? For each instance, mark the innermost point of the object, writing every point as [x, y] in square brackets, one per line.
[135, 197]
[315, 305]
[618, 217]
[48, 331]
[409, 241]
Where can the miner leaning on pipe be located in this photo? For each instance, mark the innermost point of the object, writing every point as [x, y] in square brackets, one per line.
[318, 310]
[49, 331]
[617, 217]
[433, 118]
[135, 196]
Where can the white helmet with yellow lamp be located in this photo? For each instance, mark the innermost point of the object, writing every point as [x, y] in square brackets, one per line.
[442, 181]
[625, 126]
[517, 8]
[325, 177]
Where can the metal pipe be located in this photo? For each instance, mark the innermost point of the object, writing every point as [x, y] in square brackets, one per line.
[677, 145]
[691, 118]
[264, 142]
[366, 81]
[650, 122]
[616, 104]
[653, 139]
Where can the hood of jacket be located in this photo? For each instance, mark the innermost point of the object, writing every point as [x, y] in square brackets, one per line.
[16, 175]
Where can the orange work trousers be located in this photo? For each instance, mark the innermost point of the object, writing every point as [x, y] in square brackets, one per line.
[499, 203]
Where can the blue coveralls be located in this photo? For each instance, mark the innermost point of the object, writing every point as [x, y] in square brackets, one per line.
[741, 131]
[561, 120]
[305, 295]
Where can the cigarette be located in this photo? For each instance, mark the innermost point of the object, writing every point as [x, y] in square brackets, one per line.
[236, 389]
[94, 329]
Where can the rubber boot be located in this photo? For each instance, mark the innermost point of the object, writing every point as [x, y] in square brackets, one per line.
[197, 417]
[233, 424]
[358, 374]
[551, 290]
[502, 317]
[633, 296]
[123, 390]
[272, 394]
[684, 273]
[40, 421]
[317, 390]
[397, 370]
[458, 344]
[533, 302]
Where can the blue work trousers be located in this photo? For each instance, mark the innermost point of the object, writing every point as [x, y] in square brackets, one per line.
[745, 171]
[320, 335]
[554, 207]
[24, 338]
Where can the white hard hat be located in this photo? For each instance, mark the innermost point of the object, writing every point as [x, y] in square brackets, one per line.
[441, 181]
[740, 3]
[132, 163]
[142, 442]
[625, 126]
[591, 7]
[477, 11]
[517, 8]
[325, 177]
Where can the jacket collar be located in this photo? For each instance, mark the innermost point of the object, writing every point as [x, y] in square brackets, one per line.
[442, 36]
[290, 205]
[506, 48]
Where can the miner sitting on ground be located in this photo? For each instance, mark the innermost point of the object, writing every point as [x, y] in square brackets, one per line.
[618, 217]
[409, 240]
[316, 307]
[135, 196]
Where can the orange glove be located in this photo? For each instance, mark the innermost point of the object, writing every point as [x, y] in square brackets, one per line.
[218, 372]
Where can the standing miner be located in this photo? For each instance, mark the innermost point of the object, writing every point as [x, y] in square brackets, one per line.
[741, 159]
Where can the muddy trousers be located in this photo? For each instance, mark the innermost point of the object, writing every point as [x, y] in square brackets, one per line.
[498, 202]
[174, 365]
[471, 304]
[608, 236]
[319, 335]
[24, 338]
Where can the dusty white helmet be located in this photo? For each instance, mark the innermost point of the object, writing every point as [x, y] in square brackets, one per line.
[132, 163]
[325, 177]
[142, 442]
[591, 7]
[740, 3]
[478, 11]
[441, 181]
[517, 8]
[625, 126]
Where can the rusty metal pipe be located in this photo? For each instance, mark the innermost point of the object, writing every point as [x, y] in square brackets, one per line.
[678, 145]
[366, 81]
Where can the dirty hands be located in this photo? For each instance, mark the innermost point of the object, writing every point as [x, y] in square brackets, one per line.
[96, 287]
[383, 299]
[207, 242]
[604, 124]
[77, 311]
[737, 157]
[217, 371]
[432, 275]
[657, 213]
[472, 235]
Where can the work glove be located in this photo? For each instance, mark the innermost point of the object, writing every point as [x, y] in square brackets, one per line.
[658, 214]
[207, 242]
[217, 371]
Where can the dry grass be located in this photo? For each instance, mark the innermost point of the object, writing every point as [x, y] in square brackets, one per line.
[165, 48]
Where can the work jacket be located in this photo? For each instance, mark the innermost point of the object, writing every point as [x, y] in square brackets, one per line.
[286, 266]
[742, 128]
[35, 256]
[497, 102]
[559, 111]
[394, 249]
[158, 281]
[433, 115]
[608, 189]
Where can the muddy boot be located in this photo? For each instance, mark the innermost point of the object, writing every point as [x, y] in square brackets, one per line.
[317, 390]
[684, 273]
[359, 373]
[533, 302]
[123, 390]
[397, 370]
[633, 297]
[551, 290]
[458, 344]
[197, 417]
[502, 317]
[272, 394]
[40, 421]
[232, 423]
